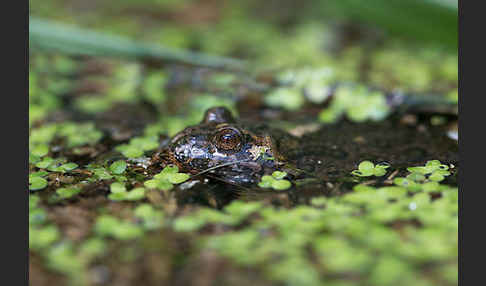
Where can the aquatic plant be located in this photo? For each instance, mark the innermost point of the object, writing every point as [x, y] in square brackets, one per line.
[150, 217]
[66, 193]
[398, 228]
[138, 146]
[118, 167]
[424, 178]
[167, 178]
[358, 103]
[120, 193]
[313, 84]
[116, 170]
[75, 134]
[367, 168]
[37, 182]
[342, 241]
[110, 226]
[276, 181]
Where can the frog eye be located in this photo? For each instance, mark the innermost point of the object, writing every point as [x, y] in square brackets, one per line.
[228, 139]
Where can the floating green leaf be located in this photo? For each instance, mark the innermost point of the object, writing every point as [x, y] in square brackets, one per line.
[281, 184]
[118, 167]
[167, 178]
[41, 238]
[117, 188]
[137, 146]
[107, 225]
[152, 219]
[46, 162]
[278, 175]
[275, 181]
[40, 150]
[102, 174]
[178, 178]
[288, 98]
[132, 195]
[367, 168]
[68, 166]
[359, 104]
[37, 183]
[65, 193]
[266, 181]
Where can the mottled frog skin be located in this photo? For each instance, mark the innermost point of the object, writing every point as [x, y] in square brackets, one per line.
[230, 151]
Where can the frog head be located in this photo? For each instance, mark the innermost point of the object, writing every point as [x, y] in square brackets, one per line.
[224, 149]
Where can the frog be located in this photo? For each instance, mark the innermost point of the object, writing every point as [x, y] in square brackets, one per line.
[229, 150]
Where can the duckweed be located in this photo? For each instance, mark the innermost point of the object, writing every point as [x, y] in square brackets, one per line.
[37, 183]
[367, 168]
[169, 125]
[413, 69]
[42, 234]
[233, 214]
[358, 103]
[424, 177]
[92, 247]
[44, 163]
[79, 134]
[430, 167]
[167, 178]
[56, 165]
[275, 181]
[66, 193]
[118, 167]
[138, 146]
[150, 217]
[73, 259]
[75, 134]
[63, 258]
[46, 84]
[153, 87]
[288, 98]
[122, 85]
[120, 193]
[281, 184]
[133, 195]
[42, 237]
[63, 167]
[313, 84]
[353, 234]
[37, 216]
[279, 175]
[110, 226]
[102, 174]
[40, 150]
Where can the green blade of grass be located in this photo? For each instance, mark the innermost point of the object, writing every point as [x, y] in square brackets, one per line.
[54, 36]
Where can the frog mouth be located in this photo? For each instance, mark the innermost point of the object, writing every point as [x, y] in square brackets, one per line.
[222, 165]
[244, 173]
